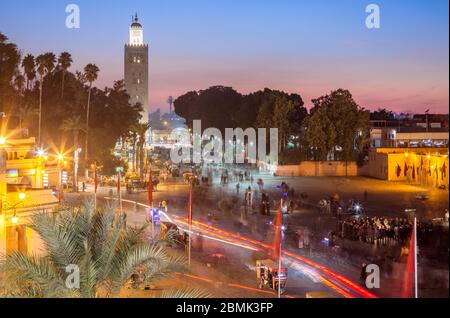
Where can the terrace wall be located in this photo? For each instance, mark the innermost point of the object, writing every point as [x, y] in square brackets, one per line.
[319, 169]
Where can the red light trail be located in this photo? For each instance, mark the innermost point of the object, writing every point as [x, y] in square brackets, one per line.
[334, 280]
[225, 235]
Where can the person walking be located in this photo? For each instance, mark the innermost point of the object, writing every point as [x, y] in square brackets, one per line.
[363, 275]
[249, 197]
[238, 186]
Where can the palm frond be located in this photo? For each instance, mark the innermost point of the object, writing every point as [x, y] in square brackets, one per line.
[35, 273]
[61, 239]
[185, 293]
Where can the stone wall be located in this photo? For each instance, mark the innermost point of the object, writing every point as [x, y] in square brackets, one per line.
[416, 166]
[319, 169]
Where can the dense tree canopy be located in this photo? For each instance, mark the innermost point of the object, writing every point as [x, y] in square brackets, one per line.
[214, 106]
[64, 98]
[222, 107]
[337, 127]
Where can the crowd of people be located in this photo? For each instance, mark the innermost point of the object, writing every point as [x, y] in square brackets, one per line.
[375, 230]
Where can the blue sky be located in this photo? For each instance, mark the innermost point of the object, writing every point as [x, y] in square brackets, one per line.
[304, 46]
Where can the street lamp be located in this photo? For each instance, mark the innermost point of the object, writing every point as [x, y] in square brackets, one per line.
[40, 152]
[75, 169]
[2, 140]
[15, 219]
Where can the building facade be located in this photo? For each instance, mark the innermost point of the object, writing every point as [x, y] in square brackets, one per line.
[25, 180]
[426, 167]
[136, 67]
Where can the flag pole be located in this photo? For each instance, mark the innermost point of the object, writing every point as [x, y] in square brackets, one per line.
[279, 255]
[416, 283]
[119, 192]
[150, 199]
[190, 223]
[95, 186]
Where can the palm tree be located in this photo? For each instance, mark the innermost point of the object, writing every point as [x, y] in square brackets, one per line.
[45, 65]
[25, 112]
[91, 74]
[29, 68]
[98, 243]
[133, 139]
[19, 83]
[74, 125]
[64, 62]
[141, 130]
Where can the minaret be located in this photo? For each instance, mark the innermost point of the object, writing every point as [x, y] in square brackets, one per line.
[136, 67]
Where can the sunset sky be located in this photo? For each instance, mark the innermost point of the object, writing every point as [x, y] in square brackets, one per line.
[308, 47]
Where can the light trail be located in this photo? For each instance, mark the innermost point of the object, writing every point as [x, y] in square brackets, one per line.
[224, 236]
[345, 281]
[240, 286]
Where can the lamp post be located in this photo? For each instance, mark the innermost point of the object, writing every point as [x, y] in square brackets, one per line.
[60, 158]
[75, 168]
[21, 198]
[190, 221]
[416, 282]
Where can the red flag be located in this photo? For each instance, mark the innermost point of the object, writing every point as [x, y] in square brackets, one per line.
[118, 183]
[95, 179]
[190, 206]
[278, 234]
[150, 188]
[408, 276]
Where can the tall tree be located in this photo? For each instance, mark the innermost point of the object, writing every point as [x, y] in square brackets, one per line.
[26, 112]
[9, 62]
[214, 106]
[335, 122]
[110, 113]
[281, 119]
[75, 126]
[29, 68]
[64, 63]
[91, 74]
[19, 83]
[45, 65]
[132, 139]
[141, 130]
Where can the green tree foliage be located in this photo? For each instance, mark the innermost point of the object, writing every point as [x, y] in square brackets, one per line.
[64, 63]
[214, 106]
[9, 63]
[52, 91]
[337, 127]
[223, 107]
[106, 252]
[382, 114]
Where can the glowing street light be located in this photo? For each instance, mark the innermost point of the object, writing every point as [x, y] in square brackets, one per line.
[22, 196]
[2, 140]
[14, 220]
[40, 152]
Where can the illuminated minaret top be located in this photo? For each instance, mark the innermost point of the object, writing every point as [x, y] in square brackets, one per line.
[136, 33]
[136, 67]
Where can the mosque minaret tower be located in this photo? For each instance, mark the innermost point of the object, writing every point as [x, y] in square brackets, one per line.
[136, 67]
